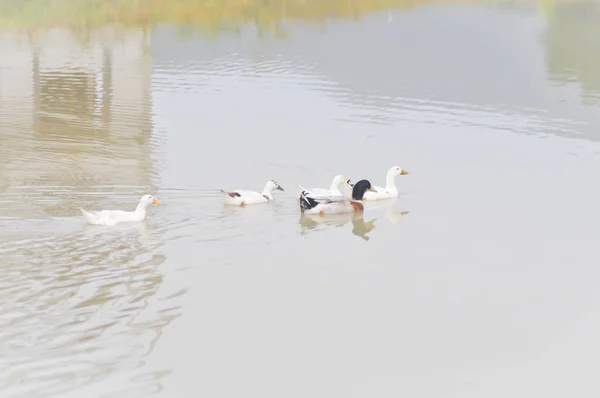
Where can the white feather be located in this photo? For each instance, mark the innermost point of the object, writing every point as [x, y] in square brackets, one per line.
[390, 190]
[243, 197]
[334, 189]
[112, 217]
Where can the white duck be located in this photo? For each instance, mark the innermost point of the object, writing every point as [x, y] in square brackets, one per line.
[334, 189]
[390, 190]
[112, 217]
[242, 197]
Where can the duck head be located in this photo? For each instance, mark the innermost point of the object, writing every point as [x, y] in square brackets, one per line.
[396, 171]
[148, 200]
[339, 180]
[359, 189]
[273, 185]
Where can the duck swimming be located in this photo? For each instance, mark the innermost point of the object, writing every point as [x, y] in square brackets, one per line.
[334, 189]
[313, 204]
[390, 190]
[112, 217]
[242, 197]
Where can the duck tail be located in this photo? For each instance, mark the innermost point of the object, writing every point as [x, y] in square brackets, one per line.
[230, 194]
[299, 188]
[306, 202]
[88, 216]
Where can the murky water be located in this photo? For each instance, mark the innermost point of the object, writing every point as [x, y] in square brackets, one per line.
[482, 279]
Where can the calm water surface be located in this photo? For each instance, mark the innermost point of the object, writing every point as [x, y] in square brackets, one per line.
[481, 280]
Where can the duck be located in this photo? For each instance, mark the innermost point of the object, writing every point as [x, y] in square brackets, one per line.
[242, 197]
[313, 204]
[334, 189]
[390, 190]
[112, 217]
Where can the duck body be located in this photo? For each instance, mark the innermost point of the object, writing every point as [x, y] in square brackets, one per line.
[310, 203]
[390, 190]
[241, 197]
[334, 189]
[112, 217]
[380, 193]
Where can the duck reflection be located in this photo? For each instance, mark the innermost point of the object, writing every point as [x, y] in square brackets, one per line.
[360, 227]
[140, 229]
[395, 217]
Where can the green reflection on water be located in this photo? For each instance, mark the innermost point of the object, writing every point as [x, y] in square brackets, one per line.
[206, 15]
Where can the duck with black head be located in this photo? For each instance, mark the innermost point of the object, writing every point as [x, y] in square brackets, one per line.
[314, 204]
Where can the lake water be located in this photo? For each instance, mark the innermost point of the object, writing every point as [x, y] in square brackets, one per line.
[481, 280]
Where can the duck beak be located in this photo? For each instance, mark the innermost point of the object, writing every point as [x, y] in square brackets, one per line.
[404, 172]
[281, 189]
[372, 189]
[156, 202]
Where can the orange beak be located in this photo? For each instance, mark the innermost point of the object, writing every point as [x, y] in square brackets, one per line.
[404, 172]
[156, 202]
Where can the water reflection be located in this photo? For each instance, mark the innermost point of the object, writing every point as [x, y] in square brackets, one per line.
[572, 41]
[360, 227]
[404, 91]
[315, 222]
[76, 116]
[78, 301]
[83, 126]
[207, 16]
[394, 216]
